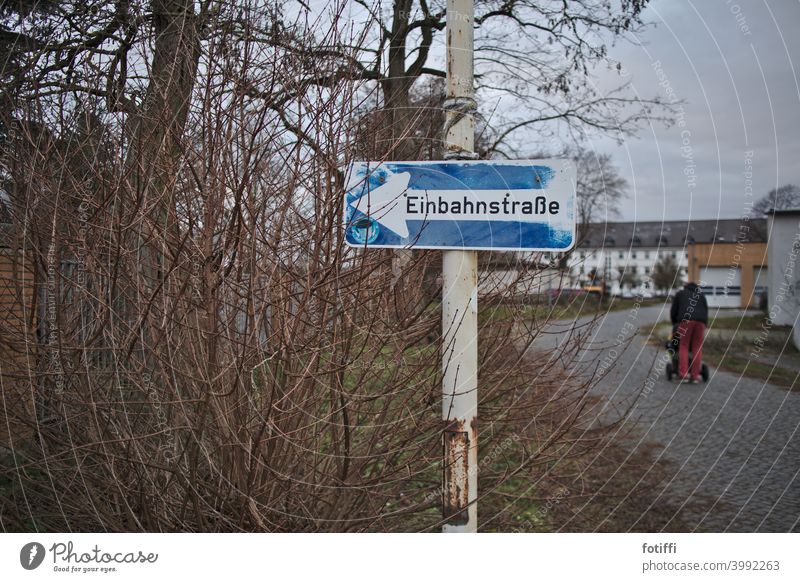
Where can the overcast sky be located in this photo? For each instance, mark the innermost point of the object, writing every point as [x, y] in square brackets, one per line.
[734, 64]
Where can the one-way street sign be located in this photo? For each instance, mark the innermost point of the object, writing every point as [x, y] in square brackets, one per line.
[485, 205]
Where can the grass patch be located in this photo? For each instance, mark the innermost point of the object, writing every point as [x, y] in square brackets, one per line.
[748, 322]
[746, 366]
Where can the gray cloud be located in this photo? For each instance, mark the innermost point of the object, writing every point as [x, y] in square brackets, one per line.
[734, 64]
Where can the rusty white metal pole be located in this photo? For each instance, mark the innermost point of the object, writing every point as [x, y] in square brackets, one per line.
[460, 296]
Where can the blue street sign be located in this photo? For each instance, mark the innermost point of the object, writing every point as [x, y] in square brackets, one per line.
[486, 205]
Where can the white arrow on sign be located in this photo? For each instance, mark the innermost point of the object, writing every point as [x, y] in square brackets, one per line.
[385, 203]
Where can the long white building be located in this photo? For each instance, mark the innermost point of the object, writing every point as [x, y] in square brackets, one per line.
[607, 250]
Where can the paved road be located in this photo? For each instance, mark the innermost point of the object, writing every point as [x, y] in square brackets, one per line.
[734, 443]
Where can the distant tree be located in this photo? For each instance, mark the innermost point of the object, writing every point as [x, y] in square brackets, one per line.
[666, 273]
[786, 196]
[600, 188]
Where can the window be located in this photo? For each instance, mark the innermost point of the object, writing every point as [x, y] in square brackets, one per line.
[635, 270]
[674, 255]
[647, 270]
[633, 254]
[647, 254]
[583, 256]
[621, 255]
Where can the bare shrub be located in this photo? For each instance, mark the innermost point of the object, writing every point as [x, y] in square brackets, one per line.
[195, 349]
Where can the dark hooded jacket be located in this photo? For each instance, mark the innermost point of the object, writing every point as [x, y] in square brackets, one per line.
[689, 304]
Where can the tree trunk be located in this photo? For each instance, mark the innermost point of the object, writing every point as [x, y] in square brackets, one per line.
[157, 130]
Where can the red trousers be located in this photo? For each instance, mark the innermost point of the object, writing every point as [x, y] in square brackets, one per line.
[691, 339]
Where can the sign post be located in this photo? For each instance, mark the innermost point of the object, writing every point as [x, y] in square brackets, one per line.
[460, 297]
[461, 205]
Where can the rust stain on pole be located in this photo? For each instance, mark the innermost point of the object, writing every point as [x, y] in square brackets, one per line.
[455, 491]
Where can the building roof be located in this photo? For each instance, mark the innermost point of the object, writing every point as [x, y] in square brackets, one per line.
[793, 210]
[674, 233]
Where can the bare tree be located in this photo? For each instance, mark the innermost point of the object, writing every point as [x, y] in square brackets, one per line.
[535, 57]
[600, 188]
[784, 197]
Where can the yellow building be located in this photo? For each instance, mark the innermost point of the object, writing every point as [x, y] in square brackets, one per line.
[731, 274]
